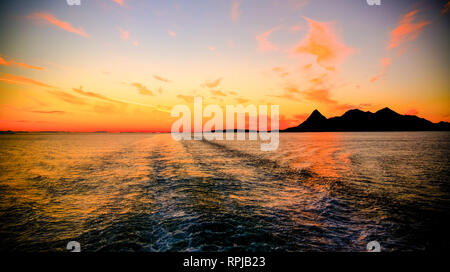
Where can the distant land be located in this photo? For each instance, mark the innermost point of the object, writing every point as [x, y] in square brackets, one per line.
[353, 120]
[358, 120]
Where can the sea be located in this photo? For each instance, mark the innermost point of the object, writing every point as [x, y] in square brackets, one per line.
[146, 192]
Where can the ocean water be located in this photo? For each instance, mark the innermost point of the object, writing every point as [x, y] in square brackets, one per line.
[147, 192]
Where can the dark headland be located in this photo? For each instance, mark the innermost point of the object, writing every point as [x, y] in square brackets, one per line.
[357, 120]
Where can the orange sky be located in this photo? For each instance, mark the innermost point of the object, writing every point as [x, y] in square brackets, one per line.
[122, 65]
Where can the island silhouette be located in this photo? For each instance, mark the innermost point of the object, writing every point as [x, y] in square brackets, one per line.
[358, 120]
[352, 120]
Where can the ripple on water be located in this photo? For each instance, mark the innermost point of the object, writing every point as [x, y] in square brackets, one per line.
[146, 192]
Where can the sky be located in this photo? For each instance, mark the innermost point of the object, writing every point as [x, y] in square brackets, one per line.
[122, 65]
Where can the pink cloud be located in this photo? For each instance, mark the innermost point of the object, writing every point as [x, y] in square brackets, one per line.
[171, 33]
[297, 4]
[142, 89]
[323, 43]
[281, 71]
[48, 112]
[187, 98]
[160, 78]
[235, 13]
[323, 96]
[124, 35]
[296, 28]
[301, 117]
[264, 44]
[69, 98]
[212, 84]
[218, 93]
[50, 18]
[407, 30]
[385, 63]
[120, 2]
[13, 79]
[241, 100]
[412, 112]
[12, 62]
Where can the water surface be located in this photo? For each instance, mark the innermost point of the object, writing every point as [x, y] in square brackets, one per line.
[147, 192]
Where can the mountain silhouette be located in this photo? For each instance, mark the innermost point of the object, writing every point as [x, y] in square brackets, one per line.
[358, 120]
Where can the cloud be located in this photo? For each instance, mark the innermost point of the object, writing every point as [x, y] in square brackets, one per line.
[323, 43]
[323, 96]
[142, 89]
[287, 95]
[235, 12]
[211, 48]
[160, 78]
[120, 2]
[124, 35]
[39, 102]
[121, 102]
[285, 122]
[105, 108]
[212, 84]
[412, 112]
[187, 98]
[317, 80]
[48, 112]
[95, 95]
[241, 100]
[296, 28]
[285, 74]
[281, 71]
[301, 117]
[12, 62]
[264, 44]
[406, 30]
[307, 66]
[446, 8]
[385, 64]
[171, 33]
[50, 18]
[34, 111]
[318, 95]
[292, 90]
[278, 69]
[218, 93]
[69, 98]
[13, 79]
[297, 4]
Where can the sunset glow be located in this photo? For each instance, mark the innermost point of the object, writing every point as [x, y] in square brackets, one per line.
[122, 65]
